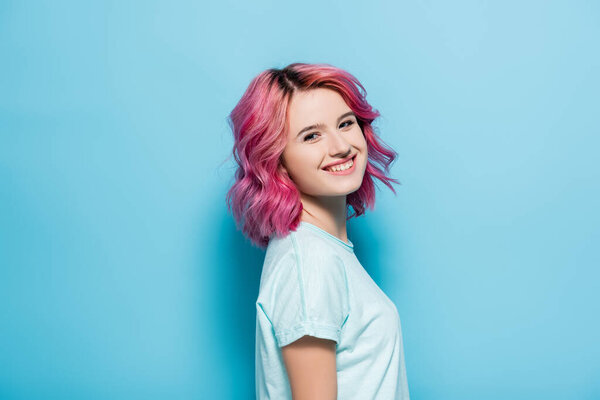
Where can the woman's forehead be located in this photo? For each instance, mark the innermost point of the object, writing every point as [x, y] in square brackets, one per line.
[315, 107]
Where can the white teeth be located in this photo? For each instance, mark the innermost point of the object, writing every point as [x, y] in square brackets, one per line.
[341, 167]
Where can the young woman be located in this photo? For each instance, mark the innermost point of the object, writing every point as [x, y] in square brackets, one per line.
[306, 153]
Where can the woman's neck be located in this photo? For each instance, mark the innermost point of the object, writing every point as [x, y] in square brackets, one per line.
[328, 213]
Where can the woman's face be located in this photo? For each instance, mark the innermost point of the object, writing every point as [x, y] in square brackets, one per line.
[322, 130]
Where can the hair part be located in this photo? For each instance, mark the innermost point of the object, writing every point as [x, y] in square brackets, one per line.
[263, 199]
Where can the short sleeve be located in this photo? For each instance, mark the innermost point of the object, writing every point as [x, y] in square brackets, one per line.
[308, 294]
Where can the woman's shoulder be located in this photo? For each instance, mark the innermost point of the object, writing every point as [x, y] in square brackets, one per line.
[301, 248]
[301, 258]
[298, 239]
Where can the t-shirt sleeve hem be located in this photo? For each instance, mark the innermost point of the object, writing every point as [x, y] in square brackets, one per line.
[308, 328]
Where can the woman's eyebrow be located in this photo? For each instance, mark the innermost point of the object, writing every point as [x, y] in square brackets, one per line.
[322, 125]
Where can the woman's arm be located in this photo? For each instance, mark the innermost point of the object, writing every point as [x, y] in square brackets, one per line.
[311, 368]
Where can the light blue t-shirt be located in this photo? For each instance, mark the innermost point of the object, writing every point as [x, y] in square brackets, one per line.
[313, 284]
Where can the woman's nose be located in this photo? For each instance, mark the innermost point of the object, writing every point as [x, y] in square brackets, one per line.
[338, 145]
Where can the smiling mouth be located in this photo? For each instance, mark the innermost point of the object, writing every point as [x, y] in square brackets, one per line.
[345, 166]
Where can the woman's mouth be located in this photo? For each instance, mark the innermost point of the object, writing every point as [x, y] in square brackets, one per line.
[343, 169]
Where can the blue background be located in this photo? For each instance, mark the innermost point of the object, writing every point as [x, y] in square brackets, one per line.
[123, 275]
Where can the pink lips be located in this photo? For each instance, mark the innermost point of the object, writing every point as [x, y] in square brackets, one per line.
[344, 172]
[344, 161]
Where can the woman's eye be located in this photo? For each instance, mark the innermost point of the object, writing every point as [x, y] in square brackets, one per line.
[306, 138]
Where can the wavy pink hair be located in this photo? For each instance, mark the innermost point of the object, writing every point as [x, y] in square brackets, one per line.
[265, 201]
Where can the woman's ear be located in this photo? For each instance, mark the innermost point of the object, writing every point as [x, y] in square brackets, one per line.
[281, 167]
[283, 170]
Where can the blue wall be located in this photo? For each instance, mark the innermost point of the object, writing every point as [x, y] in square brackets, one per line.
[123, 275]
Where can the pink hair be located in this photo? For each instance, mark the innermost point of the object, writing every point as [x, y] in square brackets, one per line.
[264, 200]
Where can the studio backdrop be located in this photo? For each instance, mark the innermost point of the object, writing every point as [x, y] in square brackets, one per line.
[122, 273]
